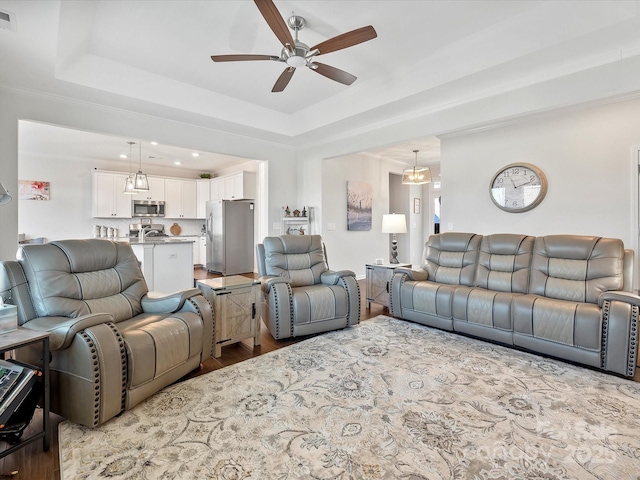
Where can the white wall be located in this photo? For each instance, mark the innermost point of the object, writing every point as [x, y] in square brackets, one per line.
[586, 156]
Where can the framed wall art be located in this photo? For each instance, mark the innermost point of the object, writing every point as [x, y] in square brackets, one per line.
[33, 190]
[359, 201]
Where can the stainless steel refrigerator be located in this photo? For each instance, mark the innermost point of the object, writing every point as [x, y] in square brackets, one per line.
[230, 245]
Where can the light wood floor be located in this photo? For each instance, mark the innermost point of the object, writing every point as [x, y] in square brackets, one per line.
[34, 464]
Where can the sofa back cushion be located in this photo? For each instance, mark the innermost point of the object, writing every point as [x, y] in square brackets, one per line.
[70, 278]
[451, 257]
[300, 258]
[503, 262]
[576, 268]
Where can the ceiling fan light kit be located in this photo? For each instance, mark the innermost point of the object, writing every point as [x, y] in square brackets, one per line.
[297, 54]
[416, 175]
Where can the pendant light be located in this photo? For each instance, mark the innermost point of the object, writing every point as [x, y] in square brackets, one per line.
[4, 195]
[129, 183]
[141, 181]
[416, 175]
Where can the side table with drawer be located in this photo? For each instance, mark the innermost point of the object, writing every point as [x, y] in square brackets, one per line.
[378, 282]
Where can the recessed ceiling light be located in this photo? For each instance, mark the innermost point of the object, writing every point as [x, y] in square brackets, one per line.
[195, 154]
[177, 163]
[154, 143]
[122, 155]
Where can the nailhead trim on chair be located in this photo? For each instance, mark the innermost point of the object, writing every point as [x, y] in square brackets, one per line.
[344, 285]
[633, 341]
[96, 378]
[123, 363]
[290, 291]
[213, 324]
[605, 331]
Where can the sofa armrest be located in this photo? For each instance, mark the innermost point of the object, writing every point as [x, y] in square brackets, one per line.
[332, 277]
[417, 275]
[267, 281]
[619, 296]
[620, 313]
[62, 330]
[154, 302]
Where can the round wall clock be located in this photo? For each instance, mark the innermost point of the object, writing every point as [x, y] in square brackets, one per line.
[518, 187]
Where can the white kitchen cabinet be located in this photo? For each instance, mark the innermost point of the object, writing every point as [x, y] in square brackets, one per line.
[202, 245]
[203, 195]
[180, 198]
[239, 186]
[215, 188]
[155, 192]
[196, 247]
[108, 199]
[167, 266]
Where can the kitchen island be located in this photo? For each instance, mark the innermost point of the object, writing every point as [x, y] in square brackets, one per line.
[167, 263]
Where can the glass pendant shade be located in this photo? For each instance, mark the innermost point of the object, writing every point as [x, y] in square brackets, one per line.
[141, 181]
[416, 175]
[129, 184]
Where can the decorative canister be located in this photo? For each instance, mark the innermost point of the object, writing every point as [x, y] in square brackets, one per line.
[103, 231]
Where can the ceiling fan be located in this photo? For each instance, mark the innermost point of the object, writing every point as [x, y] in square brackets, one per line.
[297, 54]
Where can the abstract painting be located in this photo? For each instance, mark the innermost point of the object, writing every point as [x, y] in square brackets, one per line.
[33, 190]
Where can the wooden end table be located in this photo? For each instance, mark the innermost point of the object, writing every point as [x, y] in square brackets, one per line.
[236, 302]
[379, 282]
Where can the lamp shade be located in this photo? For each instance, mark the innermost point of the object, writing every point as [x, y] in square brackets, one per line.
[394, 223]
[4, 195]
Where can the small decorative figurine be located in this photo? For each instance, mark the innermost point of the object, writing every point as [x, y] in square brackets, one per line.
[287, 212]
[301, 231]
[296, 213]
[304, 211]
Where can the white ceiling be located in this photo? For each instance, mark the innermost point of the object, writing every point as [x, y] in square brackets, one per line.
[428, 55]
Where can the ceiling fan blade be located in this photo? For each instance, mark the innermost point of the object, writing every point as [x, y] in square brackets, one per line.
[275, 22]
[241, 57]
[283, 79]
[349, 39]
[334, 73]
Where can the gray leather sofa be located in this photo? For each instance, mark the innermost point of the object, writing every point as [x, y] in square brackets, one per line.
[113, 344]
[302, 296]
[566, 296]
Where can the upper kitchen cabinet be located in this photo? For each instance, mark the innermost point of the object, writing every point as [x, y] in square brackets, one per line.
[155, 192]
[108, 197]
[203, 195]
[180, 198]
[239, 186]
[216, 187]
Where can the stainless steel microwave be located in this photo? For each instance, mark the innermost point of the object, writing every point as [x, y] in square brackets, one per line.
[148, 208]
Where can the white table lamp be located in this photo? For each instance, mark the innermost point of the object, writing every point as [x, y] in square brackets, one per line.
[394, 223]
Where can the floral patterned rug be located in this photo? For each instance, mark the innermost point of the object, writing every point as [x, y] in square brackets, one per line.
[387, 399]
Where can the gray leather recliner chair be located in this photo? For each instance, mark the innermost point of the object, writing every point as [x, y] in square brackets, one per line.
[302, 296]
[113, 344]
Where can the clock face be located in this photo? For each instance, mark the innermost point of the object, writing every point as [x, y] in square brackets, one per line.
[518, 187]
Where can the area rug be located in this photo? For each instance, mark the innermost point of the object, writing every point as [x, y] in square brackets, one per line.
[386, 399]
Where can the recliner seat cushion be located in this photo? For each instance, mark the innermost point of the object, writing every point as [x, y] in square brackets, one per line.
[575, 324]
[70, 278]
[317, 303]
[158, 343]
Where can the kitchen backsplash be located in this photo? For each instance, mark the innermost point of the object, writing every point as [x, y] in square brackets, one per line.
[189, 227]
